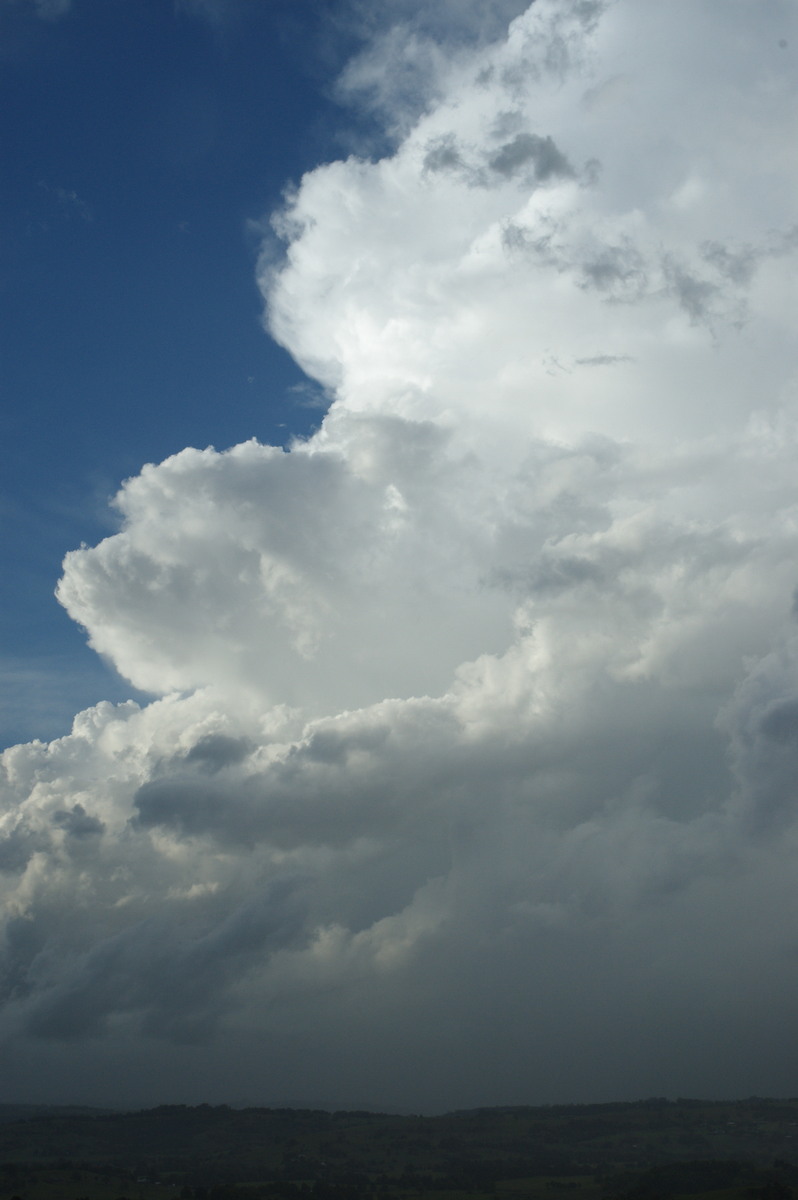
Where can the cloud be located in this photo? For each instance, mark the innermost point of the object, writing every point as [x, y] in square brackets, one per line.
[528, 148]
[469, 772]
[48, 10]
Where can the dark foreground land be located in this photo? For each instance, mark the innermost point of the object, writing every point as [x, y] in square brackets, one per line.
[651, 1150]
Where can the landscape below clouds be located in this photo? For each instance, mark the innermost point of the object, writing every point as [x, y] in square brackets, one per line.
[469, 776]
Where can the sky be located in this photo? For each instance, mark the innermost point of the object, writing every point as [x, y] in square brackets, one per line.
[403, 404]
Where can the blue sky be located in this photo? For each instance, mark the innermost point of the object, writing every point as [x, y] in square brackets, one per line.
[446, 753]
[139, 142]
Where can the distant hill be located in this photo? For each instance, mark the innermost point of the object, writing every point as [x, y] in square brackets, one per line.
[455, 1151]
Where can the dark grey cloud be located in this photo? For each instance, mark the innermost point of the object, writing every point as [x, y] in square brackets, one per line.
[561, 573]
[18, 847]
[218, 750]
[328, 790]
[620, 271]
[196, 807]
[77, 822]
[529, 149]
[694, 294]
[335, 746]
[738, 265]
[443, 155]
[521, 155]
[603, 360]
[23, 940]
[173, 982]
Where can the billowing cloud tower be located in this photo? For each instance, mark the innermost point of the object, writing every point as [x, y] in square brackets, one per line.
[471, 772]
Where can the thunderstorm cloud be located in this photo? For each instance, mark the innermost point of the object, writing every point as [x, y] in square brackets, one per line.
[470, 772]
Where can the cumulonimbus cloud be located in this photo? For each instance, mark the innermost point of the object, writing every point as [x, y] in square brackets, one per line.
[473, 754]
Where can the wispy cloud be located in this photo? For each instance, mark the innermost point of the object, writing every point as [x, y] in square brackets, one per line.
[69, 202]
[48, 10]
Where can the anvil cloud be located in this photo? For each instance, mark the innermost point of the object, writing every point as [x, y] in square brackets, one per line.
[471, 772]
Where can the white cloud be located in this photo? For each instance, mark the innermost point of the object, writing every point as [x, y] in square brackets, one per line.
[475, 738]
